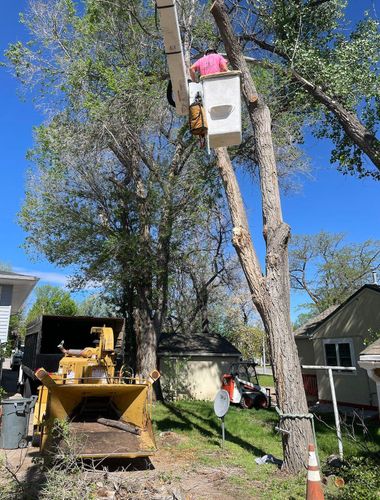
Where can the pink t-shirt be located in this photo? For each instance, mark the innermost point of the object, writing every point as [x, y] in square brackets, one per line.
[212, 63]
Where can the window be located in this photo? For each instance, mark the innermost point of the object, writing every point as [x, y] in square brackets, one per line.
[331, 355]
[339, 352]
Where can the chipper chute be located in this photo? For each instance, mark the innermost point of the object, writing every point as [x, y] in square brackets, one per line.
[106, 416]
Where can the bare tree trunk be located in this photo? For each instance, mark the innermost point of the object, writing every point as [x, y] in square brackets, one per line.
[270, 294]
[146, 337]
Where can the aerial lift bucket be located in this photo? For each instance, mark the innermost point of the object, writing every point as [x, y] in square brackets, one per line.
[82, 405]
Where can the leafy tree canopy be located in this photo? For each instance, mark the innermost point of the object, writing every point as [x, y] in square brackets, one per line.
[329, 270]
[96, 305]
[51, 300]
[328, 71]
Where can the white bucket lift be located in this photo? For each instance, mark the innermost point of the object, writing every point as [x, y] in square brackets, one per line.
[221, 100]
[220, 92]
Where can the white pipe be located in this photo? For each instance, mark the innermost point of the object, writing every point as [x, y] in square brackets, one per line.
[333, 396]
[322, 367]
[336, 414]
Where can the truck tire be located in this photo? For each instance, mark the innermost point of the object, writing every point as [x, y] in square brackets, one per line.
[260, 402]
[246, 402]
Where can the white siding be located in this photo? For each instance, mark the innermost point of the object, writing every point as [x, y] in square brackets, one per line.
[5, 313]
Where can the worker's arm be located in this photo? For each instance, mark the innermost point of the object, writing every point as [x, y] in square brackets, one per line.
[223, 67]
[193, 73]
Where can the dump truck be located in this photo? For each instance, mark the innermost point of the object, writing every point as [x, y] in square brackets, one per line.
[44, 334]
[105, 414]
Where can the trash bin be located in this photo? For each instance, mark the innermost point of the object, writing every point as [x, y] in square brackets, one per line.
[15, 422]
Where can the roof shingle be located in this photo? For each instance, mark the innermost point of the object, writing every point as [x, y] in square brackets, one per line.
[193, 344]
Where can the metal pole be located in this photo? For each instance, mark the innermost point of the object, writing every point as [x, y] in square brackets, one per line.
[223, 432]
[336, 414]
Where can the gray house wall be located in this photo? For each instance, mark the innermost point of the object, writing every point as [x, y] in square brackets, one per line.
[305, 352]
[351, 323]
[6, 295]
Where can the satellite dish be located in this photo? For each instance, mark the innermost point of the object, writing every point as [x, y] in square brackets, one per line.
[221, 403]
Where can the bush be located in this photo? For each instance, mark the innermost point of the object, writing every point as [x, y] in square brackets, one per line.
[362, 477]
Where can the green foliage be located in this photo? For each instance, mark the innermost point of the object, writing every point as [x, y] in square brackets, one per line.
[96, 305]
[362, 478]
[17, 326]
[248, 339]
[6, 349]
[51, 300]
[317, 41]
[2, 390]
[330, 270]
[371, 336]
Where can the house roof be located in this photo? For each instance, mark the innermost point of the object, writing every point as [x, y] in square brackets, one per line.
[195, 345]
[22, 285]
[308, 329]
[372, 350]
[310, 326]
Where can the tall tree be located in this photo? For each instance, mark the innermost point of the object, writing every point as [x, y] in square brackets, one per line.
[329, 270]
[97, 305]
[51, 300]
[328, 71]
[116, 180]
[270, 291]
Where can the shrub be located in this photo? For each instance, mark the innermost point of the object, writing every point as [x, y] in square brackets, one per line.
[362, 477]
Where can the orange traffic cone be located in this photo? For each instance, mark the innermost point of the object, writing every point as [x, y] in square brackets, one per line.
[314, 486]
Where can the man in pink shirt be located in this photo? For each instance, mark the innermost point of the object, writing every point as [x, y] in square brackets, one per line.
[210, 63]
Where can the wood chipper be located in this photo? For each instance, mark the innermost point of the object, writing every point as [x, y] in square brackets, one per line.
[106, 415]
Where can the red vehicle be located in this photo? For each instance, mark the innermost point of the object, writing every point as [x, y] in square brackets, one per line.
[243, 386]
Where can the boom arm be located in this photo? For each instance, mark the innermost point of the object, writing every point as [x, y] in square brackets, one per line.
[173, 48]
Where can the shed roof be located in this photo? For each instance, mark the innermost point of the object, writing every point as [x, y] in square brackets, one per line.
[22, 284]
[195, 345]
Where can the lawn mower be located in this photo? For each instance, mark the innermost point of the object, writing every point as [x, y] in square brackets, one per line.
[243, 386]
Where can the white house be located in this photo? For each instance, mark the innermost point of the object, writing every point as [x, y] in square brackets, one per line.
[14, 290]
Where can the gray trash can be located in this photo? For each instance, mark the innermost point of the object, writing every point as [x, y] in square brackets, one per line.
[15, 422]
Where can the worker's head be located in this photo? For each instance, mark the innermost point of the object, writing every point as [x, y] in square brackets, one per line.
[210, 50]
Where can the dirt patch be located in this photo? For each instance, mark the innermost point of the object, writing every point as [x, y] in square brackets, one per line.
[171, 474]
[169, 439]
[175, 483]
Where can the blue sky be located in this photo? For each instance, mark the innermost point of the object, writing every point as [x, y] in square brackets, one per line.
[330, 201]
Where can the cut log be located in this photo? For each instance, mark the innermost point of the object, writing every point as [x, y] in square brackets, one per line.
[118, 424]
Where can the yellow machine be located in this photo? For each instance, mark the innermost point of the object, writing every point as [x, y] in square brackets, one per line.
[107, 416]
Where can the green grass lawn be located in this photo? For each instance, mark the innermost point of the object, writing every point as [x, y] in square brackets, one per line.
[266, 380]
[249, 434]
